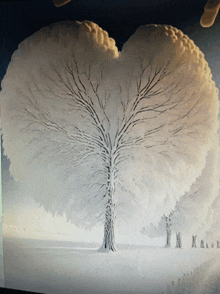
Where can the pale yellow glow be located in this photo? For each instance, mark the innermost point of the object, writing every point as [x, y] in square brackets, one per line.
[100, 37]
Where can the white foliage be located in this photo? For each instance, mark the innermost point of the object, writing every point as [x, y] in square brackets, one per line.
[197, 210]
[213, 233]
[194, 212]
[154, 231]
[74, 109]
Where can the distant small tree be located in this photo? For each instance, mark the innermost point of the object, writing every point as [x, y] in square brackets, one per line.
[194, 241]
[162, 229]
[214, 231]
[202, 244]
[168, 229]
[193, 212]
[178, 240]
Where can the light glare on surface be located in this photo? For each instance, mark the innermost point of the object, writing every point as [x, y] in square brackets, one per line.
[59, 3]
[211, 10]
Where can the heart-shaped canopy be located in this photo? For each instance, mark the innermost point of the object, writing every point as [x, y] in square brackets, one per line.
[82, 119]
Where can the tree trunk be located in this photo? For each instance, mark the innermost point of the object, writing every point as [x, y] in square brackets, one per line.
[178, 240]
[218, 245]
[168, 240]
[168, 229]
[109, 236]
[194, 241]
[202, 244]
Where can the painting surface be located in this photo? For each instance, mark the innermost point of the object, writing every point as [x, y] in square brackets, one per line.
[110, 155]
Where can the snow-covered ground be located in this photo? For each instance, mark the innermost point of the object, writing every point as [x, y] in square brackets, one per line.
[61, 267]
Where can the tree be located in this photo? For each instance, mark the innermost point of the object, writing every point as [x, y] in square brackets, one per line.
[168, 229]
[194, 212]
[127, 131]
[161, 229]
[202, 244]
[212, 232]
[164, 227]
[178, 240]
[194, 241]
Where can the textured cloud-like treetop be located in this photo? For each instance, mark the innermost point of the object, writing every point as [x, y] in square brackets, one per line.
[186, 50]
[101, 38]
[70, 100]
